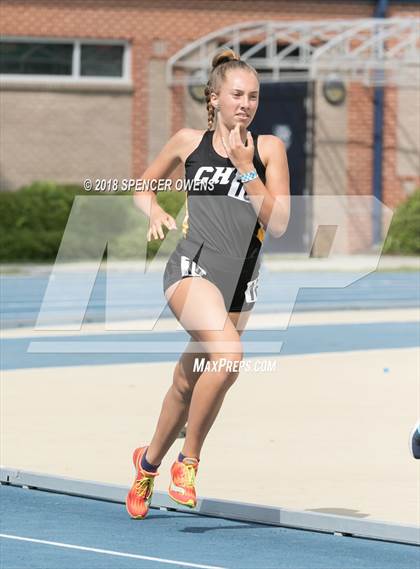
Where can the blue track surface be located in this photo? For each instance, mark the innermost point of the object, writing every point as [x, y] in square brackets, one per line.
[296, 340]
[22, 295]
[171, 536]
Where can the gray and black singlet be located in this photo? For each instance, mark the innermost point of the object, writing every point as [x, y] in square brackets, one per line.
[222, 233]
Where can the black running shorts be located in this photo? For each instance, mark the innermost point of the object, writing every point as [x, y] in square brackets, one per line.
[237, 279]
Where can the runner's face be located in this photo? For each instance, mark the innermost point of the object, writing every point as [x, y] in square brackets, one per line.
[238, 98]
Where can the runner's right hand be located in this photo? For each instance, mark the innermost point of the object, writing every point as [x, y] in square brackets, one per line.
[156, 220]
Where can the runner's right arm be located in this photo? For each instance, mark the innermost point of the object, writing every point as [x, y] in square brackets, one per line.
[161, 167]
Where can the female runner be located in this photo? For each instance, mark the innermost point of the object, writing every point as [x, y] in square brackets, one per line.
[239, 188]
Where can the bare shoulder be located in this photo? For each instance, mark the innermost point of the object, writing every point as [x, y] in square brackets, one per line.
[187, 139]
[270, 146]
[175, 151]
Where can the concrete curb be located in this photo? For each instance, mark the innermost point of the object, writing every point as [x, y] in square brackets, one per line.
[241, 511]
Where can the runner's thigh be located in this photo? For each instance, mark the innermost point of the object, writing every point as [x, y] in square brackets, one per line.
[199, 306]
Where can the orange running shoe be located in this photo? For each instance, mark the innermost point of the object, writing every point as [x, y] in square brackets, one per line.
[181, 488]
[139, 498]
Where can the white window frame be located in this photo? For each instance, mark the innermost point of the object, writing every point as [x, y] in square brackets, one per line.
[75, 77]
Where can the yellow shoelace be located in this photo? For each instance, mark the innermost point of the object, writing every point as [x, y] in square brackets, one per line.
[189, 474]
[144, 487]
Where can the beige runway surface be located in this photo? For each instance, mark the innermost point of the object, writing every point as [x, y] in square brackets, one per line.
[321, 432]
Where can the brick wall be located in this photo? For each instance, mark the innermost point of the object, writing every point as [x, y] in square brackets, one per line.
[160, 28]
[143, 23]
[64, 136]
[407, 141]
[401, 167]
[330, 169]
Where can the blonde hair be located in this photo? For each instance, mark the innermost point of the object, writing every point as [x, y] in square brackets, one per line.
[223, 62]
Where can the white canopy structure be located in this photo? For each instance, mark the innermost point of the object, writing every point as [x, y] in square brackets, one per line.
[374, 51]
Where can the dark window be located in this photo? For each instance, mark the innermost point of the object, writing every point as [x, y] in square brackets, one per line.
[36, 58]
[102, 60]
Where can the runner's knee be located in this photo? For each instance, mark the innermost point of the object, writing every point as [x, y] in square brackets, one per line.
[227, 366]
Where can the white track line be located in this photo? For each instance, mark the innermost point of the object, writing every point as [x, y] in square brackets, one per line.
[110, 552]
